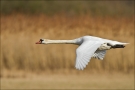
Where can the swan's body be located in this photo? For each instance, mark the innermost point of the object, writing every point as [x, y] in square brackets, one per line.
[90, 47]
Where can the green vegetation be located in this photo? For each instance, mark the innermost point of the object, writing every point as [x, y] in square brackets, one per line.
[100, 8]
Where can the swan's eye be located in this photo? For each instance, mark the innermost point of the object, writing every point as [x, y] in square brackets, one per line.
[108, 44]
[41, 40]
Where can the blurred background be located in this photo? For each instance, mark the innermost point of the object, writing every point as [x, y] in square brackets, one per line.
[25, 65]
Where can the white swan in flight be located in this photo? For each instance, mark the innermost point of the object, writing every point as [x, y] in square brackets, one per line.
[90, 47]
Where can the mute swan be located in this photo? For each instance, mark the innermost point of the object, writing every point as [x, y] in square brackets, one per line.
[90, 47]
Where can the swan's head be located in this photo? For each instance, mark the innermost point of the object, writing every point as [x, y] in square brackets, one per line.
[41, 41]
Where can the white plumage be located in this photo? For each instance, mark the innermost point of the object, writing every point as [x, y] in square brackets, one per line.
[84, 53]
[90, 47]
[99, 54]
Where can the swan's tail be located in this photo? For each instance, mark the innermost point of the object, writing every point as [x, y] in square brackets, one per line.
[124, 43]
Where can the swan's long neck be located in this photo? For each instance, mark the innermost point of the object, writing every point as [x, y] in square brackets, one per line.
[47, 41]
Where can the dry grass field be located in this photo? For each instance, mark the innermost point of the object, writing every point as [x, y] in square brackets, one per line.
[70, 81]
[20, 53]
[20, 32]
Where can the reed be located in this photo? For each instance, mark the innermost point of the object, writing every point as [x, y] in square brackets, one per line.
[20, 32]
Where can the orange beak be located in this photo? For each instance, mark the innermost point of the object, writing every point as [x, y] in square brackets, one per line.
[39, 42]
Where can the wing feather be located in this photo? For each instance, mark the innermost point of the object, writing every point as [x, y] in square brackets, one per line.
[99, 54]
[84, 53]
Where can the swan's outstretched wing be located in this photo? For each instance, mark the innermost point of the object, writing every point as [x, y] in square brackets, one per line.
[99, 54]
[85, 52]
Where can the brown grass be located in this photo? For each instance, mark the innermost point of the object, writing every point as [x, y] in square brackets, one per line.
[20, 32]
[70, 81]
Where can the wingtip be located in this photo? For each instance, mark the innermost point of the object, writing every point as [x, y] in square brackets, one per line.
[79, 68]
[101, 58]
